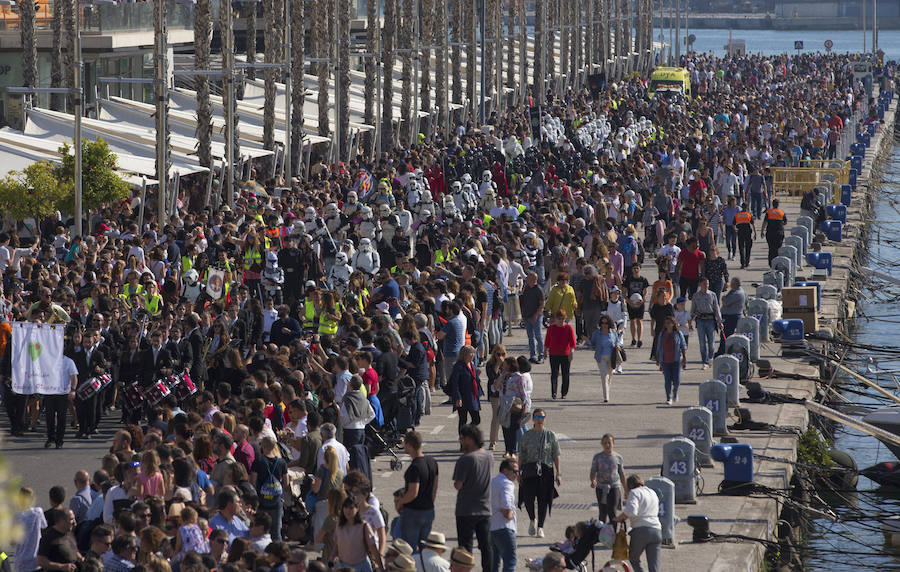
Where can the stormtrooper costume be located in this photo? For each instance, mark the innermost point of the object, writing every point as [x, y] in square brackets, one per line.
[332, 219]
[351, 205]
[448, 209]
[339, 275]
[414, 191]
[488, 200]
[487, 182]
[366, 259]
[462, 198]
[191, 287]
[404, 220]
[368, 227]
[388, 222]
[384, 196]
[273, 277]
[425, 205]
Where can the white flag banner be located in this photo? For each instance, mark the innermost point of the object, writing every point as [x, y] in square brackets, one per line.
[215, 283]
[37, 352]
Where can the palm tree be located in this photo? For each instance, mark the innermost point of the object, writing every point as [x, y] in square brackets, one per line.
[426, 33]
[56, 63]
[298, 35]
[471, 57]
[27, 17]
[202, 35]
[488, 57]
[272, 11]
[407, 25]
[343, 114]
[69, 8]
[389, 36]
[370, 69]
[323, 50]
[250, 39]
[164, 161]
[440, 62]
[510, 43]
[224, 18]
[540, 44]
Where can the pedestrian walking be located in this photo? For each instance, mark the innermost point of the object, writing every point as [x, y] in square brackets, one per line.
[493, 370]
[707, 318]
[503, 516]
[605, 342]
[608, 479]
[465, 387]
[539, 462]
[773, 229]
[746, 233]
[732, 306]
[635, 287]
[513, 403]
[472, 481]
[531, 302]
[559, 345]
[641, 509]
[416, 506]
[671, 357]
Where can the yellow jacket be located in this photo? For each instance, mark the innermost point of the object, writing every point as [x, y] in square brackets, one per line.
[562, 299]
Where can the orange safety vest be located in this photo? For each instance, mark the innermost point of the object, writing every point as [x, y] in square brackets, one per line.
[743, 217]
[775, 214]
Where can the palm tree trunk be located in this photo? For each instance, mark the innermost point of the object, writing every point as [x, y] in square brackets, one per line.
[523, 47]
[511, 44]
[471, 53]
[56, 63]
[323, 50]
[407, 26]
[298, 36]
[69, 8]
[370, 69]
[224, 7]
[426, 32]
[202, 33]
[456, 50]
[562, 10]
[343, 16]
[488, 56]
[540, 39]
[389, 36]
[272, 11]
[552, 22]
[439, 33]
[27, 15]
[250, 40]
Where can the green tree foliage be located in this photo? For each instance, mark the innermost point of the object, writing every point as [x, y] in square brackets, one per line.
[100, 185]
[33, 192]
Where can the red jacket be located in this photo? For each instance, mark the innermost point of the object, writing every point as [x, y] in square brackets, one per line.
[560, 340]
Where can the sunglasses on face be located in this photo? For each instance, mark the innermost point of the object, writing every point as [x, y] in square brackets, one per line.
[540, 416]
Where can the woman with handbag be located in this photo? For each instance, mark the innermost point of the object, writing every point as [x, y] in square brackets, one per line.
[641, 509]
[605, 344]
[354, 545]
[465, 387]
[513, 399]
[539, 462]
[492, 368]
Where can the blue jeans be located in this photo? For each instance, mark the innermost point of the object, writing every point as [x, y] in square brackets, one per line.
[503, 541]
[364, 566]
[535, 339]
[415, 526]
[706, 335]
[756, 204]
[731, 239]
[277, 513]
[672, 376]
[729, 323]
[354, 437]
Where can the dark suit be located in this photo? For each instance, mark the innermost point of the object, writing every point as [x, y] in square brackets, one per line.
[89, 410]
[239, 332]
[196, 341]
[152, 369]
[466, 388]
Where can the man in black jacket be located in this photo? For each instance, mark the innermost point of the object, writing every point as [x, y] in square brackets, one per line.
[196, 342]
[91, 362]
[156, 362]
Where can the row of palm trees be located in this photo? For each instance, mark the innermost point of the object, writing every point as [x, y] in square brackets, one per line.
[583, 34]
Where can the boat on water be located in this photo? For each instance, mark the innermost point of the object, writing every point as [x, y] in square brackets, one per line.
[887, 418]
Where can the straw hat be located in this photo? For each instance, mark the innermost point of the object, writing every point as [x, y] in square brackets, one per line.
[435, 540]
[401, 546]
[462, 557]
[403, 563]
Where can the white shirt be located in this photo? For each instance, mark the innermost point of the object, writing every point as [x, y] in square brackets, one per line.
[114, 494]
[66, 371]
[343, 454]
[503, 497]
[430, 561]
[32, 521]
[4, 259]
[642, 508]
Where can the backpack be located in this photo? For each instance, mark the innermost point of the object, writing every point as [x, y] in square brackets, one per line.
[271, 490]
[429, 351]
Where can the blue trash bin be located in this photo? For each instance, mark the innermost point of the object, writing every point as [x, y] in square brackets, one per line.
[837, 212]
[846, 195]
[857, 149]
[833, 229]
[851, 177]
[793, 330]
[820, 260]
[856, 163]
[870, 129]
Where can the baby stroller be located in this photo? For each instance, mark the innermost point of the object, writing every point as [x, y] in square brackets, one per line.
[410, 398]
[376, 444]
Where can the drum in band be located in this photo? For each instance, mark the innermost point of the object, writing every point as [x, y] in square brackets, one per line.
[88, 389]
[156, 392]
[134, 395]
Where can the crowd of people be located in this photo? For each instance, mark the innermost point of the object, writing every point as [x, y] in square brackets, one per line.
[312, 324]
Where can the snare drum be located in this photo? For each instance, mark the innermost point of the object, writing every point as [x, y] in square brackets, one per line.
[134, 395]
[185, 388]
[171, 381]
[105, 380]
[156, 392]
[88, 389]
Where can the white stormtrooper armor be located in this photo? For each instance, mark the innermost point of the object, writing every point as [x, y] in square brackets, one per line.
[332, 218]
[384, 196]
[448, 208]
[404, 220]
[366, 259]
[272, 276]
[462, 198]
[191, 287]
[339, 275]
[311, 223]
[298, 227]
[368, 226]
[387, 221]
[425, 204]
[487, 182]
[488, 200]
[414, 190]
[351, 205]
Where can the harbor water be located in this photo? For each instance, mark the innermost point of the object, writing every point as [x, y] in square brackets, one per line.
[858, 543]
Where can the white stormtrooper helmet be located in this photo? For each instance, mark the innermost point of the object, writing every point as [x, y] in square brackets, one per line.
[383, 187]
[456, 186]
[365, 245]
[271, 258]
[448, 202]
[341, 258]
[191, 277]
[309, 214]
[299, 226]
[426, 213]
[486, 176]
[384, 210]
[352, 197]
[331, 210]
[466, 178]
[366, 213]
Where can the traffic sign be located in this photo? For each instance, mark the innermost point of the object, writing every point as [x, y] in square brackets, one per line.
[798, 45]
[828, 45]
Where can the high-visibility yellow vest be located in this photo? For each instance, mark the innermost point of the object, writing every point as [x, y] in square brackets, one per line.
[309, 314]
[186, 263]
[151, 304]
[329, 325]
[521, 208]
[251, 257]
[126, 290]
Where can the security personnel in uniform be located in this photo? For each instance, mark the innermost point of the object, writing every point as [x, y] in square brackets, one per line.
[773, 229]
[309, 309]
[746, 233]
